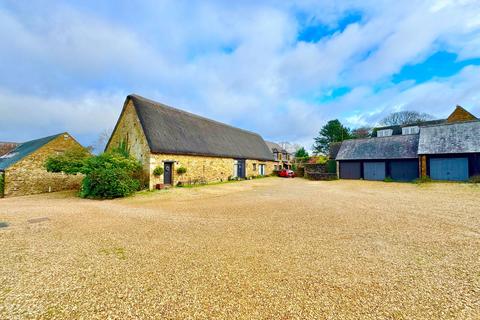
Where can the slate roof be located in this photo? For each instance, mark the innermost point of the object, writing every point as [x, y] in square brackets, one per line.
[169, 130]
[397, 129]
[274, 146]
[23, 150]
[462, 137]
[393, 147]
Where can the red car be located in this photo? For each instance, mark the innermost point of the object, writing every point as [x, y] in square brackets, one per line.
[286, 173]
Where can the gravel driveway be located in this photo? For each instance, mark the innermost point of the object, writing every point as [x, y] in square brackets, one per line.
[264, 249]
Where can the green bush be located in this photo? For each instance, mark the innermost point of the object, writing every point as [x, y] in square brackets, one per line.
[331, 166]
[109, 183]
[2, 185]
[181, 170]
[158, 171]
[109, 175]
[69, 162]
[388, 179]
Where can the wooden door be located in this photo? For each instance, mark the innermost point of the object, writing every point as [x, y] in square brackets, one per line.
[167, 173]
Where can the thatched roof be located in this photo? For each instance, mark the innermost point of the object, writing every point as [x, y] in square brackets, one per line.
[393, 147]
[462, 137]
[173, 131]
[274, 147]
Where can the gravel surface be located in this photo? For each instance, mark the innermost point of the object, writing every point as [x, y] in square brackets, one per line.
[264, 249]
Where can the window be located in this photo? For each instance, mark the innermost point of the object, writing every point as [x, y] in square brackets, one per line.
[254, 167]
[261, 169]
[411, 130]
[235, 168]
[384, 133]
[275, 156]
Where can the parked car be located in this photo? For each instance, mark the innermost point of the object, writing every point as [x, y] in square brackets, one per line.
[287, 173]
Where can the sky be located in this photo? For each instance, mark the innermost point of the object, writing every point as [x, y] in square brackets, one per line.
[278, 68]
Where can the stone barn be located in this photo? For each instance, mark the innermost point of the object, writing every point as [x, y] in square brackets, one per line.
[22, 170]
[165, 139]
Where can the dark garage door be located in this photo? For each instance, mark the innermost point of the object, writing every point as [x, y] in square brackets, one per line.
[350, 170]
[374, 170]
[451, 169]
[404, 170]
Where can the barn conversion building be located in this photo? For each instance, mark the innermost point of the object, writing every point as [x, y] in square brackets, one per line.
[281, 156]
[447, 149]
[22, 170]
[163, 137]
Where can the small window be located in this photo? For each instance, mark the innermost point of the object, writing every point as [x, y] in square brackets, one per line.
[384, 133]
[411, 130]
[261, 169]
[254, 167]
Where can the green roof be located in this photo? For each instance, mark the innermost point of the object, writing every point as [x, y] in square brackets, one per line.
[24, 150]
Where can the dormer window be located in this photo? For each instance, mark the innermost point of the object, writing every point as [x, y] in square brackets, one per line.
[384, 133]
[411, 130]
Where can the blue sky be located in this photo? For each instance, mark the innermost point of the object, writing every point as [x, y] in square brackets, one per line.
[281, 69]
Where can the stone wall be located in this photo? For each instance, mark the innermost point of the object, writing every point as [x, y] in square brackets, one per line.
[460, 115]
[129, 130]
[201, 169]
[316, 171]
[29, 176]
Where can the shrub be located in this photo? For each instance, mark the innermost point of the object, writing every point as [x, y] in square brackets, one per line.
[474, 179]
[109, 183]
[2, 185]
[388, 179]
[331, 166]
[158, 171]
[69, 162]
[181, 170]
[109, 175]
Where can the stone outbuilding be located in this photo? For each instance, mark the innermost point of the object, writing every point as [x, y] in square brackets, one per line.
[165, 139]
[22, 170]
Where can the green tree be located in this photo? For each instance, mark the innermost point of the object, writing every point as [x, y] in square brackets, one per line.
[109, 175]
[333, 131]
[301, 153]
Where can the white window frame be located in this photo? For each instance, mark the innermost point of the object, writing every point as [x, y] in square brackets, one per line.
[410, 130]
[384, 133]
[261, 169]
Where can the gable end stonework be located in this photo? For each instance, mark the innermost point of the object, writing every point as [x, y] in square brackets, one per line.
[460, 115]
[29, 176]
[161, 136]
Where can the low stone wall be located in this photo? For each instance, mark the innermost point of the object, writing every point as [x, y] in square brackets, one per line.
[318, 171]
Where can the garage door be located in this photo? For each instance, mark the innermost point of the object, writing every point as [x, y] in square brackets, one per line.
[404, 170]
[451, 169]
[374, 170]
[350, 170]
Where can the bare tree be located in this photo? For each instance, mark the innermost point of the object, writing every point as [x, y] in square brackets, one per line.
[362, 132]
[102, 140]
[404, 117]
[289, 146]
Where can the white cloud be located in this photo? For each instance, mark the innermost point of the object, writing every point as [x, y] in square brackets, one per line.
[235, 62]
